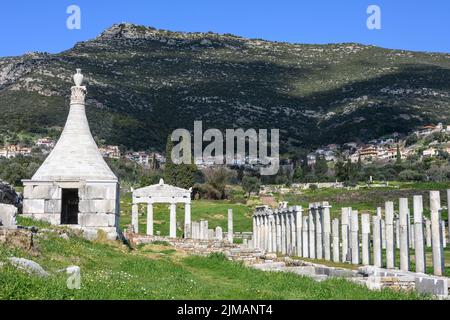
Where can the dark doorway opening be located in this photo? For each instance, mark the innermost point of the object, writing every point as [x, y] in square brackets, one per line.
[69, 209]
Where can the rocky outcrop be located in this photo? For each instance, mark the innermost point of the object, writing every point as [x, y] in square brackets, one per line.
[8, 195]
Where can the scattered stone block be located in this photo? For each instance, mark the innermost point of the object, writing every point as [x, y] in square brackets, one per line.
[29, 266]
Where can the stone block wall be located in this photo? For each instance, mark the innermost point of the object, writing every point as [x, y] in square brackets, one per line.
[99, 204]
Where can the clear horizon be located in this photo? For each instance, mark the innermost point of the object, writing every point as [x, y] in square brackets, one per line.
[404, 25]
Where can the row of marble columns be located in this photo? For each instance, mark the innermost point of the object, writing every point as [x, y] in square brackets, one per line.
[355, 239]
[173, 219]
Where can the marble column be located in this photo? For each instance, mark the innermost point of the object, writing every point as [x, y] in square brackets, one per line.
[261, 231]
[283, 232]
[365, 237]
[379, 213]
[173, 220]
[377, 247]
[428, 233]
[354, 237]
[444, 237]
[383, 233]
[150, 219]
[410, 234]
[287, 222]
[312, 234]
[269, 233]
[293, 232]
[135, 218]
[305, 235]
[211, 234]
[390, 235]
[187, 221]
[335, 235]
[404, 237]
[219, 233]
[397, 232]
[326, 219]
[274, 232]
[206, 229]
[345, 230]
[298, 230]
[201, 231]
[436, 239]
[255, 230]
[195, 230]
[319, 235]
[230, 226]
[278, 230]
[418, 234]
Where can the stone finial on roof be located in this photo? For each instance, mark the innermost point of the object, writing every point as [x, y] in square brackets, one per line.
[78, 78]
[161, 181]
[78, 91]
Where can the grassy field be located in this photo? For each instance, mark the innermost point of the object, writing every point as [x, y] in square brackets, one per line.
[111, 270]
[365, 200]
[213, 211]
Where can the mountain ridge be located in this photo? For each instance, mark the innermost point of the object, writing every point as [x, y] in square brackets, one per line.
[144, 82]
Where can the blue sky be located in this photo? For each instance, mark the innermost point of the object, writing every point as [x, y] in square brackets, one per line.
[413, 25]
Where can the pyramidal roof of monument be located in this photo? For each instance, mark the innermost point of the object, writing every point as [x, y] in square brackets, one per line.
[75, 155]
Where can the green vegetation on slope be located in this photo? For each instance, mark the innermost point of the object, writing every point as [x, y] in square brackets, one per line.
[143, 83]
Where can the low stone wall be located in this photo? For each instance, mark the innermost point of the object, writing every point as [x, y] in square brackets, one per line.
[373, 278]
[204, 247]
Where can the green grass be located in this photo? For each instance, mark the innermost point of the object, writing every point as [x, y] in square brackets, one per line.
[214, 211]
[113, 271]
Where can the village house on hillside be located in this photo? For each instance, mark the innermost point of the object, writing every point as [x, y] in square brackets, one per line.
[13, 150]
[112, 152]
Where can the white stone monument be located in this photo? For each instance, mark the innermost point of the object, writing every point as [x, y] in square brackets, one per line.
[74, 186]
[164, 193]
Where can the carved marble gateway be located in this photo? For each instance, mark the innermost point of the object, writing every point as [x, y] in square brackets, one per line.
[74, 186]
